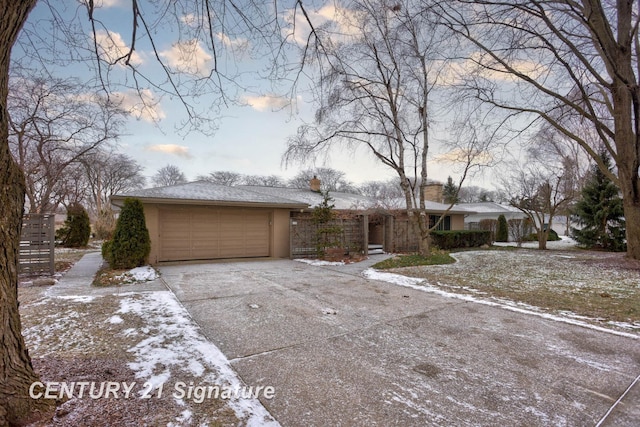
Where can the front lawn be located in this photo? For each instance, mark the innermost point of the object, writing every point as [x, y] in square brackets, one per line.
[603, 287]
[436, 258]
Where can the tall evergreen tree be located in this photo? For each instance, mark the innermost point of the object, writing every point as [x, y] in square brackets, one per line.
[450, 192]
[600, 212]
[502, 231]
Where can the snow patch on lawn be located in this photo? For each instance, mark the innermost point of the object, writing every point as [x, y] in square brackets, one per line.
[76, 298]
[139, 274]
[319, 262]
[175, 343]
[422, 285]
[565, 242]
[115, 320]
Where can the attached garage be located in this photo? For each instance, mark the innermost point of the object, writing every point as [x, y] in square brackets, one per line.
[204, 221]
[192, 232]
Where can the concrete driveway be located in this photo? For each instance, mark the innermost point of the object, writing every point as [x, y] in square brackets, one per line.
[346, 351]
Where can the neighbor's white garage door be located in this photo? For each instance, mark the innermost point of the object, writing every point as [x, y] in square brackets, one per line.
[188, 233]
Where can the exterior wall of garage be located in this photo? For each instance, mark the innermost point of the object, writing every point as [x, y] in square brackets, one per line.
[151, 217]
[278, 228]
[280, 232]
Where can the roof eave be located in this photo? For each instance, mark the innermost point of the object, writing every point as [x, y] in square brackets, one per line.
[227, 203]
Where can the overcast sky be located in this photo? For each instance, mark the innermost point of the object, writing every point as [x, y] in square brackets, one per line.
[250, 139]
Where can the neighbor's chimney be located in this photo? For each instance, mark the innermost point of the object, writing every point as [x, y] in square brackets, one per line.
[433, 192]
[314, 184]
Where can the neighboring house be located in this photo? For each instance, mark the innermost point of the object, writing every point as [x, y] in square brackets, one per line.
[488, 210]
[200, 220]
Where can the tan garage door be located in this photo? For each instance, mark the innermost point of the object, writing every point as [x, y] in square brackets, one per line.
[208, 233]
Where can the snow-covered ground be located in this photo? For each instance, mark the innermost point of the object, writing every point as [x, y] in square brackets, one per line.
[139, 274]
[423, 285]
[171, 342]
[564, 243]
[318, 262]
[525, 272]
[167, 354]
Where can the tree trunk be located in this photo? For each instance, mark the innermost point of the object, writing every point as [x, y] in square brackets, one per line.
[542, 240]
[632, 221]
[16, 370]
[424, 245]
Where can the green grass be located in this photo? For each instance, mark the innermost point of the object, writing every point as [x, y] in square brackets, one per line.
[436, 258]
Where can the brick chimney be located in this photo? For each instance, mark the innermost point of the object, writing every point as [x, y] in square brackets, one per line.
[433, 192]
[314, 184]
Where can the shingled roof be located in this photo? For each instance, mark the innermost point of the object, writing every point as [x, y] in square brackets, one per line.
[203, 192]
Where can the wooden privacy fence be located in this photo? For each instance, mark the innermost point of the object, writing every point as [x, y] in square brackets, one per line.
[37, 244]
[405, 236]
[304, 235]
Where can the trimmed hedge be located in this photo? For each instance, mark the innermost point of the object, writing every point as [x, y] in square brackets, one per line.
[460, 238]
[553, 236]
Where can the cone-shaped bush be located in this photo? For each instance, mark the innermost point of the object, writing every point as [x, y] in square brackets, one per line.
[502, 231]
[131, 244]
[77, 227]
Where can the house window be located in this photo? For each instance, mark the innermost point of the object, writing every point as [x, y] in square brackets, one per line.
[444, 225]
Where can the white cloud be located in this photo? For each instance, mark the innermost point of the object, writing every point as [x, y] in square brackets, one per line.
[113, 48]
[174, 149]
[142, 105]
[484, 65]
[188, 57]
[267, 102]
[105, 3]
[190, 19]
[342, 20]
[239, 43]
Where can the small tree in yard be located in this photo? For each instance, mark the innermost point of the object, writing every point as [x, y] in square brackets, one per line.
[77, 228]
[600, 212]
[519, 229]
[105, 224]
[327, 235]
[131, 244]
[502, 231]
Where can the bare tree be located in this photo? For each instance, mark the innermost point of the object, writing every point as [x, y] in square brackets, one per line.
[561, 63]
[263, 180]
[376, 83]
[519, 229]
[53, 123]
[387, 194]
[222, 178]
[540, 192]
[107, 173]
[330, 180]
[168, 175]
[475, 194]
[211, 27]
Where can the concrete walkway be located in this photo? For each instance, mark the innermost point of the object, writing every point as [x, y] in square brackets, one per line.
[77, 281]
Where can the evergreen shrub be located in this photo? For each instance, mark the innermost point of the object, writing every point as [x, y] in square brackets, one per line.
[131, 243]
[502, 229]
[77, 227]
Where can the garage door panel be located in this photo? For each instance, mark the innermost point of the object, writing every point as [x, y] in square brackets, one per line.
[208, 233]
